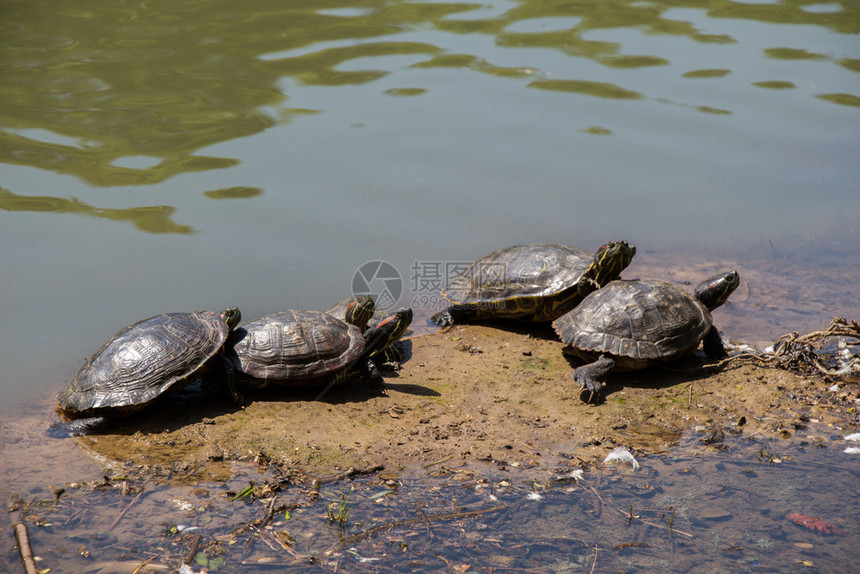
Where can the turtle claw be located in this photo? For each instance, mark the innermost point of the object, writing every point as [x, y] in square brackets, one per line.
[443, 319]
[457, 313]
[76, 427]
[58, 430]
[590, 386]
[590, 377]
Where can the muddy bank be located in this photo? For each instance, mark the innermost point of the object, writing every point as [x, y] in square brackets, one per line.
[473, 395]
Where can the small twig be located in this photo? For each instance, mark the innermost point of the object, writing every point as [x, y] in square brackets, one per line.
[188, 474]
[350, 540]
[350, 473]
[192, 549]
[797, 352]
[270, 539]
[435, 462]
[630, 516]
[23, 541]
[270, 511]
[593, 564]
[121, 514]
[262, 536]
[140, 566]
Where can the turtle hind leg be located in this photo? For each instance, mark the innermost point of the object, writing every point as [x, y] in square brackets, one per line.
[590, 377]
[712, 344]
[77, 427]
[455, 314]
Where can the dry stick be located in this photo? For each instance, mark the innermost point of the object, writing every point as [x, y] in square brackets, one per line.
[140, 566]
[267, 539]
[639, 518]
[188, 474]
[262, 536]
[349, 540]
[192, 549]
[270, 511]
[121, 514]
[786, 348]
[435, 462]
[291, 550]
[593, 564]
[350, 472]
[23, 541]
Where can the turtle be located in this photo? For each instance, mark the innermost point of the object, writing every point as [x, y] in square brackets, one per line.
[357, 310]
[310, 348]
[140, 363]
[628, 325]
[534, 282]
[361, 311]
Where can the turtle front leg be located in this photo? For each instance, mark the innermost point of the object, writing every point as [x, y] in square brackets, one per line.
[389, 359]
[712, 344]
[587, 285]
[455, 314]
[369, 376]
[77, 427]
[223, 378]
[590, 377]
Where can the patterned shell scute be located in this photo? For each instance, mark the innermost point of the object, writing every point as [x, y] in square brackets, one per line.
[295, 345]
[144, 360]
[536, 270]
[638, 319]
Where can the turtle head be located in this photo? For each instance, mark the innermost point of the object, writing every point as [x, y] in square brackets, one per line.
[387, 331]
[610, 260]
[715, 291]
[359, 311]
[231, 316]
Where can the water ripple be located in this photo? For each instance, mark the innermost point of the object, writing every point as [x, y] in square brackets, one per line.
[165, 82]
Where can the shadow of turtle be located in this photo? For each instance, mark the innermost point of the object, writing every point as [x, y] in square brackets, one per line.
[657, 376]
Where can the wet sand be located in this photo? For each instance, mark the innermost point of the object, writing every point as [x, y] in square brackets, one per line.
[474, 394]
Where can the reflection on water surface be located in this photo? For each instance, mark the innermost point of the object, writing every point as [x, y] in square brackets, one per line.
[152, 219]
[108, 82]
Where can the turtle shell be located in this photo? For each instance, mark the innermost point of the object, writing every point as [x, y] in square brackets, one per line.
[142, 361]
[519, 280]
[636, 322]
[294, 347]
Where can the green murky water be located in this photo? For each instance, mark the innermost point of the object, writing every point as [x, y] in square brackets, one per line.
[166, 157]
[174, 156]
